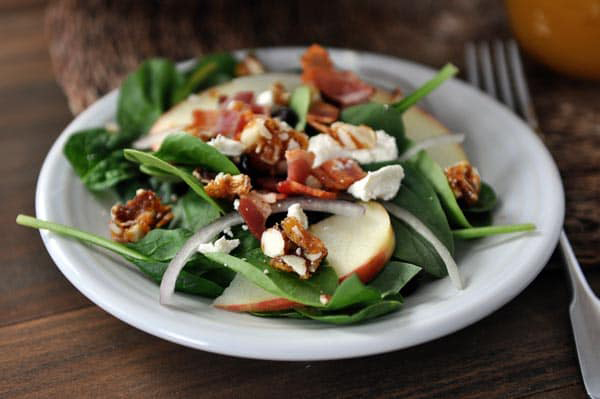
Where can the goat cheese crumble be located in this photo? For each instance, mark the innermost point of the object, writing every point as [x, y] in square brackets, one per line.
[221, 245]
[383, 183]
[227, 146]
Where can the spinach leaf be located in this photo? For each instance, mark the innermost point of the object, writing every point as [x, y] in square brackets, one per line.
[210, 70]
[411, 247]
[478, 232]
[109, 171]
[393, 277]
[434, 173]
[145, 95]
[161, 244]
[417, 196]
[248, 242]
[280, 283]
[182, 148]
[159, 174]
[187, 282]
[193, 212]
[300, 103]
[148, 159]
[389, 117]
[369, 312]
[379, 117]
[486, 202]
[352, 292]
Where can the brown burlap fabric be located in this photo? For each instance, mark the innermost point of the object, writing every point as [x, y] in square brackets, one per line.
[94, 43]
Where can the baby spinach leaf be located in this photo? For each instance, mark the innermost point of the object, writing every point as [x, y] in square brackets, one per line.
[186, 281]
[369, 312]
[478, 232]
[182, 148]
[150, 160]
[277, 282]
[209, 70]
[388, 117]
[145, 95]
[486, 202]
[158, 174]
[379, 117]
[411, 247]
[417, 196]
[109, 171]
[161, 244]
[86, 148]
[434, 173]
[393, 277]
[195, 212]
[300, 103]
[352, 292]
[248, 242]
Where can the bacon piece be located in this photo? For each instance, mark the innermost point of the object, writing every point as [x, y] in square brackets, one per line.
[293, 187]
[299, 164]
[343, 87]
[339, 173]
[244, 96]
[209, 123]
[323, 112]
[132, 221]
[255, 212]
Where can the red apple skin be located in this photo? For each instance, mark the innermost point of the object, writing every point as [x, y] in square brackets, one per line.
[369, 270]
[271, 305]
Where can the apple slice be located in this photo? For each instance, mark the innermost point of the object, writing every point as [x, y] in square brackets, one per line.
[242, 295]
[360, 245]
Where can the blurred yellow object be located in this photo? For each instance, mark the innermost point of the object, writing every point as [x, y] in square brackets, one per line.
[563, 34]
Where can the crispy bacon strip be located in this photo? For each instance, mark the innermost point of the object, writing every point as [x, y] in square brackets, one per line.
[209, 123]
[299, 164]
[342, 87]
[292, 187]
[339, 173]
[255, 212]
[323, 112]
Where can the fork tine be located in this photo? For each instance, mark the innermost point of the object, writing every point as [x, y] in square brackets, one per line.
[521, 89]
[502, 75]
[486, 69]
[471, 63]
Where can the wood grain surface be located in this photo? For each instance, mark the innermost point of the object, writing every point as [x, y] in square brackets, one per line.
[55, 343]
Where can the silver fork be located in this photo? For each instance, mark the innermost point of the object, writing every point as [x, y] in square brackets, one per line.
[502, 76]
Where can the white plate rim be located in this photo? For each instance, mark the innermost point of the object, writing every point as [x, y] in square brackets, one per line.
[349, 346]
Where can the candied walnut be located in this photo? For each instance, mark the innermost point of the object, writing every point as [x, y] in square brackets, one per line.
[250, 65]
[132, 221]
[464, 181]
[266, 140]
[293, 248]
[225, 185]
[280, 95]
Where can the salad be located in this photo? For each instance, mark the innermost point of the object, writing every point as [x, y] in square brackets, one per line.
[310, 195]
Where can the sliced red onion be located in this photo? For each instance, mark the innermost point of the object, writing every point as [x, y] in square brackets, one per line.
[432, 142]
[337, 207]
[207, 233]
[204, 235]
[423, 230]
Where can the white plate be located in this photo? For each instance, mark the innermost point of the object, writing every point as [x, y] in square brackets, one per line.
[495, 270]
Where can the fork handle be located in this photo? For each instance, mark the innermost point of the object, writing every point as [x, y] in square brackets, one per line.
[585, 320]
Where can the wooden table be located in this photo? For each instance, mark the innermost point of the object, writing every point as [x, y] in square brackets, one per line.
[56, 343]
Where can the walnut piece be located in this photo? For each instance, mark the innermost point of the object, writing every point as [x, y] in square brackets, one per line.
[464, 181]
[303, 251]
[132, 221]
[250, 65]
[225, 185]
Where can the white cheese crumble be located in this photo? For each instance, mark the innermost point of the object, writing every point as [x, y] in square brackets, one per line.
[295, 211]
[383, 183]
[265, 98]
[326, 147]
[228, 232]
[272, 243]
[323, 299]
[221, 245]
[236, 204]
[297, 263]
[227, 146]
